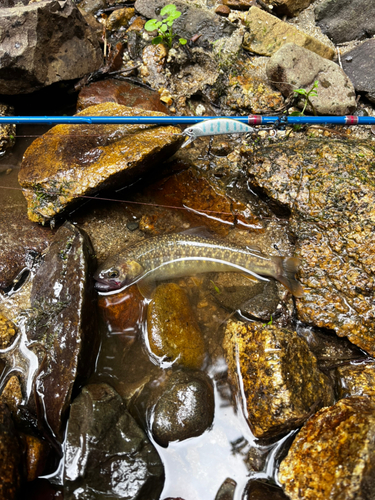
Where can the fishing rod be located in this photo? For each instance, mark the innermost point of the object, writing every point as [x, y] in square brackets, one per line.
[186, 120]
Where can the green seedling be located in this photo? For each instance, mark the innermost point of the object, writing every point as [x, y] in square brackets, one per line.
[313, 92]
[164, 27]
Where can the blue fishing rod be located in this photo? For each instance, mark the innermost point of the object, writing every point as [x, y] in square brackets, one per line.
[186, 120]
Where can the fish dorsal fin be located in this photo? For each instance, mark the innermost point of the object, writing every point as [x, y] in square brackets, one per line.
[146, 287]
[254, 249]
[200, 231]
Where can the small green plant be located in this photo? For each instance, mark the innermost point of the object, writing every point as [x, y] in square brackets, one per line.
[313, 92]
[164, 27]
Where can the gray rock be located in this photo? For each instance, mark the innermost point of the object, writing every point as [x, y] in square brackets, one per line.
[45, 42]
[346, 20]
[359, 65]
[62, 323]
[192, 21]
[106, 454]
[185, 409]
[293, 67]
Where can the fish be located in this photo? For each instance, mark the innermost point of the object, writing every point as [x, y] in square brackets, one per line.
[216, 126]
[177, 255]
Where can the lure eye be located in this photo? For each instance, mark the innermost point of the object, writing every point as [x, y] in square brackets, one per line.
[113, 274]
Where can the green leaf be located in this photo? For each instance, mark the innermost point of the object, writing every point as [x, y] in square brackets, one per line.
[151, 25]
[182, 41]
[174, 15]
[157, 40]
[170, 23]
[163, 28]
[168, 9]
[300, 91]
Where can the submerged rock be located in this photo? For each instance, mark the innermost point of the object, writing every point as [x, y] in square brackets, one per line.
[266, 34]
[45, 42]
[10, 456]
[333, 456]
[279, 375]
[185, 409]
[359, 65]
[70, 161]
[356, 380]
[106, 454]
[7, 130]
[260, 490]
[293, 67]
[62, 325]
[173, 333]
[12, 394]
[8, 332]
[346, 20]
[329, 188]
[120, 92]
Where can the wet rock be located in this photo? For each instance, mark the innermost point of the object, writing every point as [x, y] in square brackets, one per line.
[35, 452]
[7, 130]
[122, 310]
[239, 4]
[289, 8]
[359, 65]
[267, 34]
[10, 457]
[226, 490]
[120, 92]
[71, 161]
[260, 490]
[45, 42]
[328, 187]
[62, 324]
[356, 380]
[8, 332]
[92, 6]
[173, 333]
[293, 67]
[193, 20]
[106, 453]
[333, 454]
[282, 389]
[185, 409]
[346, 20]
[12, 394]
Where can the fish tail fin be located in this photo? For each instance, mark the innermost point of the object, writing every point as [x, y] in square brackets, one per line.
[287, 269]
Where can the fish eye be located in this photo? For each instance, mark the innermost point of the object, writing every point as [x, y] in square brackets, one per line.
[113, 274]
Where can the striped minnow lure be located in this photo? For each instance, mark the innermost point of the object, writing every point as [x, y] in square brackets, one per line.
[217, 126]
[176, 255]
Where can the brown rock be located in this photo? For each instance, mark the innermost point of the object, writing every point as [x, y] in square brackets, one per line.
[356, 380]
[281, 382]
[333, 456]
[10, 456]
[222, 10]
[239, 4]
[137, 25]
[122, 310]
[8, 331]
[119, 17]
[71, 161]
[125, 93]
[267, 34]
[12, 394]
[173, 333]
[36, 452]
[328, 186]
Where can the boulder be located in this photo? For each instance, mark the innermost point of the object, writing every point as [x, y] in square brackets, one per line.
[289, 8]
[328, 186]
[293, 67]
[333, 456]
[71, 161]
[359, 65]
[346, 20]
[62, 324]
[281, 382]
[43, 43]
[106, 454]
[267, 34]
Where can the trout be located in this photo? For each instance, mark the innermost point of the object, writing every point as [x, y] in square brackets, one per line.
[177, 255]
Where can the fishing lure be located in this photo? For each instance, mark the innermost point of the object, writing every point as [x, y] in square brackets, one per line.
[217, 126]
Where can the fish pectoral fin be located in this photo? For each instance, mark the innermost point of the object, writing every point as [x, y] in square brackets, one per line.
[250, 277]
[146, 287]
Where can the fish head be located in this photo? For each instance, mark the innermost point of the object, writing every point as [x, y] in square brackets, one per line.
[114, 274]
